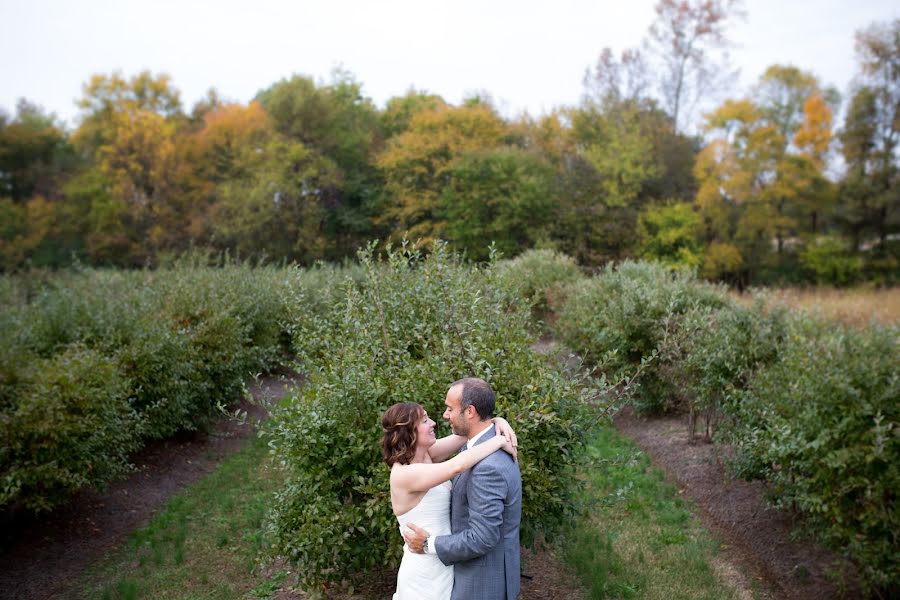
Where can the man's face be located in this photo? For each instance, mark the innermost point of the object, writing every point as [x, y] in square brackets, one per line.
[457, 419]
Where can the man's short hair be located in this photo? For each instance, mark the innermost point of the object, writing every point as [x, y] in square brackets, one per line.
[478, 393]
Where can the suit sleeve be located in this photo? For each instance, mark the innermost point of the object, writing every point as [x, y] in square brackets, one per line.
[486, 494]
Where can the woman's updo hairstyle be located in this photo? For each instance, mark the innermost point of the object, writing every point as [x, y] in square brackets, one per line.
[398, 445]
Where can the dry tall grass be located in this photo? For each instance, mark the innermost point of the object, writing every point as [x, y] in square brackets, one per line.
[856, 307]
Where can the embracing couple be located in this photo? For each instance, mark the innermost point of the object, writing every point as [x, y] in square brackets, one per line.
[459, 516]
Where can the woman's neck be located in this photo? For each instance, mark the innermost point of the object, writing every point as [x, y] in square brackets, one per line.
[421, 456]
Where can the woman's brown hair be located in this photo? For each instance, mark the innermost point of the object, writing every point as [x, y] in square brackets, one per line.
[398, 445]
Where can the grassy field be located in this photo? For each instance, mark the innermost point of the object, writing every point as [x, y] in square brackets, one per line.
[205, 542]
[857, 306]
[636, 537]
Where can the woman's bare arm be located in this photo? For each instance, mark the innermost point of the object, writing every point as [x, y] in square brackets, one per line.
[421, 477]
[449, 444]
[446, 446]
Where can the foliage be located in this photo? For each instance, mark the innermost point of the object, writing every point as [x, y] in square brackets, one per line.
[70, 426]
[762, 177]
[340, 127]
[35, 154]
[721, 261]
[721, 350]
[413, 326]
[416, 164]
[500, 197]
[132, 356]
[867, 201]
[399, 110]
[611, 138]
[276, 207]
[311, 170]
[539, 277]
[625, 317]
[820, 424]
[831, 261]
[669, 234]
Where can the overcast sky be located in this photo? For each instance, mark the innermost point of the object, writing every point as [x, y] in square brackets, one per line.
[528, 55]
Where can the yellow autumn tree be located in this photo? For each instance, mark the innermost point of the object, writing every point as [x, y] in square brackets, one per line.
[227, 130]
[129, 130]
[734, 174]
[416, 164]
[813, 141]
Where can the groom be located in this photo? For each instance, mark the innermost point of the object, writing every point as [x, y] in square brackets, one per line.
[485, 506]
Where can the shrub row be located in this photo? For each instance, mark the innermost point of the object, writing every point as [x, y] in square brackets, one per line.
[810, 406]
[629, 314]
[409, 327]
[95, 363]
[822, 425]
[540, 278]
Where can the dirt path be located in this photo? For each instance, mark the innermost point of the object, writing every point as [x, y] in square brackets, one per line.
[40, 558]
[754, 536]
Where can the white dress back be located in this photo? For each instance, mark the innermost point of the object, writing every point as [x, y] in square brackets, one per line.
[424, 576]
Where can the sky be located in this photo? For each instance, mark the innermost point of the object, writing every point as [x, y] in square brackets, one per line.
[528, 55]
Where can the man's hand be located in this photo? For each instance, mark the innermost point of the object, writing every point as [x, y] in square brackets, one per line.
[415, 538]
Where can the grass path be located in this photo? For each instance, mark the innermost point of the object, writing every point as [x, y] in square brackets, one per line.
[636, 537]
[203, 544]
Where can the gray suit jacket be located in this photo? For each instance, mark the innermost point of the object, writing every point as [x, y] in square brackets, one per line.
[485, 510]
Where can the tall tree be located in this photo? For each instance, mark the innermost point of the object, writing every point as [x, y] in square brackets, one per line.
[129, 132]
[795, 103]
[274, 204]
[735, 172]
[611, 80]
[417, 164]
[35, 154]
[813, 141]
[685, 37]
[869, 199]
[501, 196]
[337, 121]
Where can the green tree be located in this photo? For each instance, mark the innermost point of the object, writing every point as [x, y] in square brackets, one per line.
[669, 234]
[399, 110]
[501, 196]
[337, 121]
[34, 154]
[607, 164]
[417, 165]
[278, 207]
[36, 158]
[868, 199]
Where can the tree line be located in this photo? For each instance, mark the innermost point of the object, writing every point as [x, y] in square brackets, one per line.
[766, 187]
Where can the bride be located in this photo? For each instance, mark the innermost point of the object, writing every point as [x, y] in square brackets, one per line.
[420, 488]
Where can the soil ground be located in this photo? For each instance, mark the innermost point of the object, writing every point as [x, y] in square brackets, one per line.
[755, 537]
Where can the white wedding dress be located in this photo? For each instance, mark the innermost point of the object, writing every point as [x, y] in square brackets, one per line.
[424, 576]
